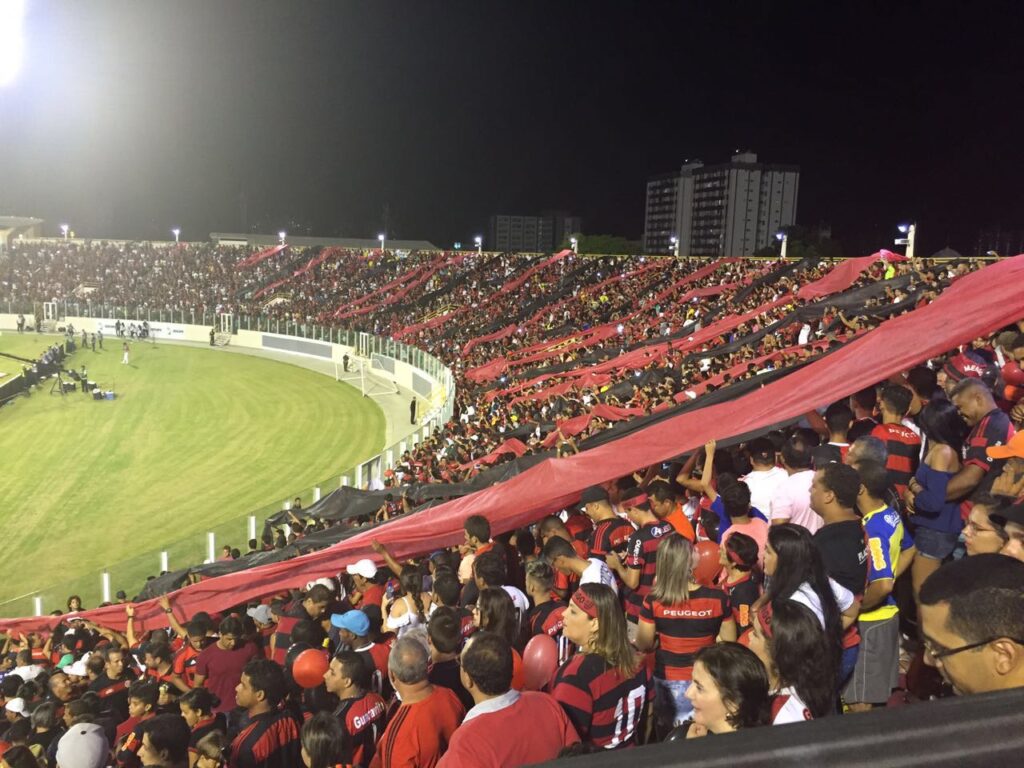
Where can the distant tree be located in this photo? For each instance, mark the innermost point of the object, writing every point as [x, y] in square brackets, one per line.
[804, 243]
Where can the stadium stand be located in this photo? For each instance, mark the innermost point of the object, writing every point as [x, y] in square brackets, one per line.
[678, 497]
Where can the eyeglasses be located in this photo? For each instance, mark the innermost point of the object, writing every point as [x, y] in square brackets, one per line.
[937, 655]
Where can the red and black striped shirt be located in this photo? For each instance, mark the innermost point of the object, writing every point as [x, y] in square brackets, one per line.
[642, 555]
[904, 447]
[609, 536]
[363, 719]
[546, 619]
[684, 629]
[993, 429]
[606, 708]
[270, 740]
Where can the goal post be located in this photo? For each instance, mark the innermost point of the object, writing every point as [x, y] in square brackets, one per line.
[367, 374]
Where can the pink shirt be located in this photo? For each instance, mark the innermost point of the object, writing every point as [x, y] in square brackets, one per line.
[792, 500]
[755, 529]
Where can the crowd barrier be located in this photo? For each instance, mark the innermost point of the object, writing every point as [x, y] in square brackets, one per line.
[410, 369]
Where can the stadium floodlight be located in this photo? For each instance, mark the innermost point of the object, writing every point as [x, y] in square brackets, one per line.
[381, 238]
[281, 236]
[177, 233]
[909, 230]
[674, 242]
[64, 228]
[783, 238]
[575, 244]
[479, 243]
[12, 15]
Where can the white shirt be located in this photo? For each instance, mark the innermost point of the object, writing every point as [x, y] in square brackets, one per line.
[521, 602]
[793, 710]
[762, 484]
[807, 596]
[792, 501]
[29, 672]
[598, 572]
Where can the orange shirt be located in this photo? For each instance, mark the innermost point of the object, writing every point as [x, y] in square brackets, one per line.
[681, 523]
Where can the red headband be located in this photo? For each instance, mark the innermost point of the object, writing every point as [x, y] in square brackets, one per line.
[734, 557]
[636, 501]
[582, 601]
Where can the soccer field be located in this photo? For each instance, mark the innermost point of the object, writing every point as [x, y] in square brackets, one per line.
[196, 439]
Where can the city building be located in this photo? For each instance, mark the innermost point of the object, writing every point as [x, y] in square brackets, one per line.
[732, 209]
[530, 234]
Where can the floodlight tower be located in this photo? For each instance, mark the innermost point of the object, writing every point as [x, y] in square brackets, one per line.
[783, 238]
[910, 230]
[382, 238]
[479, 243]
[177, 234]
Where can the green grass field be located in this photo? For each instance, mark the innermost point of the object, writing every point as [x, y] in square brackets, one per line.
[195, 441]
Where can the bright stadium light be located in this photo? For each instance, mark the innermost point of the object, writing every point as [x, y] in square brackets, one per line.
[381, 238]
[281, 236]
[783, 238]
[674, 242]
[12, 14]
[479, 243]
[177, 233]
[575, 244]
[64, 228]
[910, 230]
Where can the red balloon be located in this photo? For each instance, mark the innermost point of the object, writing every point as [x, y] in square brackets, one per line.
[705, 562]
[540, 661]
[309, 667]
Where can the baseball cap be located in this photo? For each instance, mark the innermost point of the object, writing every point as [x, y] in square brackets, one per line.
[967, 365]
[364, 568]
[1012, 514]
[16, 705]
[592, 494]
[1014, 448]
[355, 622]
[326, 582]
[260, 614]
[83, 746]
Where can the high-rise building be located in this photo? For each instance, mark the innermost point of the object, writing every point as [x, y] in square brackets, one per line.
[530, 234]
[732, 209]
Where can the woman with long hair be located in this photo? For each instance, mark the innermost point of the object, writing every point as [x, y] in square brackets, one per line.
[197, 708]
[936, 522]
[680, 617]
[794, 570]
[324, 742]
[801, 663]
[605, 688]
[495, 612]
[409, 610]
[729, 691]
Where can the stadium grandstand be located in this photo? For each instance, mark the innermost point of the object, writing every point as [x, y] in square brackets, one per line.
[667, 498]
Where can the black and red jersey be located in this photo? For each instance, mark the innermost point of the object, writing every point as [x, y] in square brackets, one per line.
[546, 619]
[684, 629]
[994, 428]
[204, 727]
[270, 740]
[642, 555]
[904, 452]
[611, 535]
[376, 657]
[363, 720]
[743, 593]
[605, 707]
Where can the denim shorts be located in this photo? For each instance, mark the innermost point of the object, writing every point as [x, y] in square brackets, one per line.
[935, 545]
[671, 707]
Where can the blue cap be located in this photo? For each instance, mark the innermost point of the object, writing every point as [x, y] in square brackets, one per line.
[355, 622]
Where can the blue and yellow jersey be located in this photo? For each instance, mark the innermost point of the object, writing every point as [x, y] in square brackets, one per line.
[884, 530]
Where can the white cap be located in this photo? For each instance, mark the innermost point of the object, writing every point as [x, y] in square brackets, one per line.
[326, 582]
[78, 669]
[83, 746]
[364, 568]
[16, 705]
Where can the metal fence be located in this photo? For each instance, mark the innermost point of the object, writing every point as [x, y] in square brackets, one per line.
[236, 530]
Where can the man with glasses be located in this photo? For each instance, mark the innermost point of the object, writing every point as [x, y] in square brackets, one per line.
[972, 620]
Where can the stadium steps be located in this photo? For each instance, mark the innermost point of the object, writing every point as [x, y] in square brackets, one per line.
[221, 339]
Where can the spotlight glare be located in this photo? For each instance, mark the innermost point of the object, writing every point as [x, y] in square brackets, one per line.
[12, 13]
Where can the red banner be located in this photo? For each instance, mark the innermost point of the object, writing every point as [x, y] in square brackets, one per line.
[259, 256]
[845, 274]
[975, 305]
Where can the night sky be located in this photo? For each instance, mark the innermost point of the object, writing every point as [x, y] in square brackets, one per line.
[130, 117]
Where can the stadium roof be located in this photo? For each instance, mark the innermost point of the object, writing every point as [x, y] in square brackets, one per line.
[355, 243]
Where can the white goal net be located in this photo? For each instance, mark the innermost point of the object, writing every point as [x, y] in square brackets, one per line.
[368, 374]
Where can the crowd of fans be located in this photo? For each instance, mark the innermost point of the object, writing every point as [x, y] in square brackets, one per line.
[871, 555]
